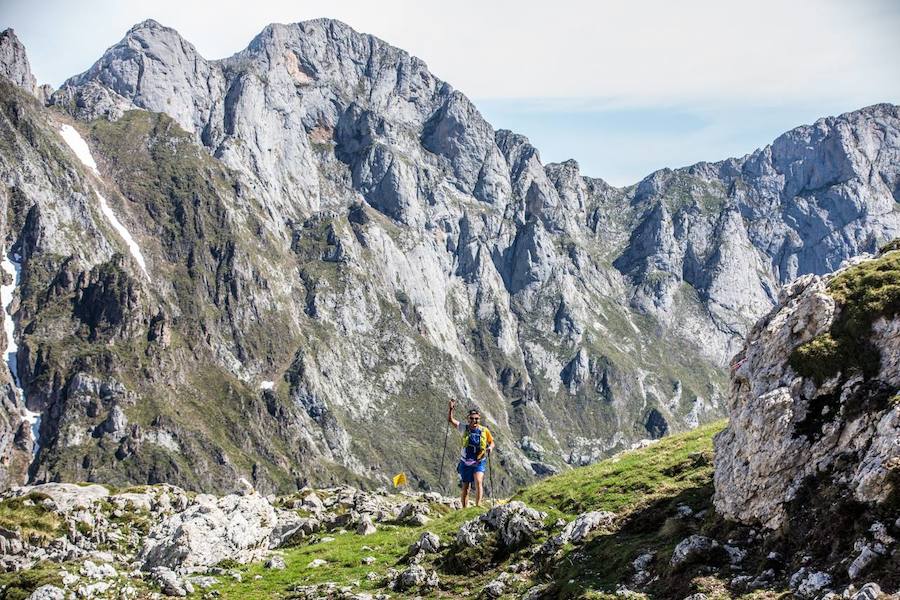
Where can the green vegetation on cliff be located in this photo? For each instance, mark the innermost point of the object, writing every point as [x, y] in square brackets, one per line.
[864, 293]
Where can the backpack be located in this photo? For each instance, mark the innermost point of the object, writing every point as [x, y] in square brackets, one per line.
[474, 442]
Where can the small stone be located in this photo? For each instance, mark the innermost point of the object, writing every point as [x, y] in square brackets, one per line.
[47, 592]
[276, 561]
[419, 519]
[317, 563]
[870, 591]
[366, 527]
[862, 562]
[494, 589]
[809, 584]
[428, 543]
[696, 548]
[368, 560]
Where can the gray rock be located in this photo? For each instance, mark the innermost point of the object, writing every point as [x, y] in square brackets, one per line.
[535, 592]
[211, 530]
[67, 496]
[584, 524]
[428, 542]
[365, 527]
[870, 591]
[643, 561]
[862, 562]
[14, 63]
[471, 533]
[92, 570]
[809, 584]
[516, 523]
[696, 548]
[763, 456]
[204, 582]
[170, 583]
[48, 592]
[494, 589]
[276, 561]
[415, 576]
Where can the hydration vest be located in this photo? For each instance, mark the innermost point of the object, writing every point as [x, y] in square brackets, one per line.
[474, 443]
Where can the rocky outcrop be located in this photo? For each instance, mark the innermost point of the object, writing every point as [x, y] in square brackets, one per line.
[814, 401]
[212, 530]
[14, 63]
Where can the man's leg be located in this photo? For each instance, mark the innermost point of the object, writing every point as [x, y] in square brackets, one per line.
[465, 494]
[479, 487]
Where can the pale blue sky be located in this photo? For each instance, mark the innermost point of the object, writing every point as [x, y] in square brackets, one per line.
[623, 87]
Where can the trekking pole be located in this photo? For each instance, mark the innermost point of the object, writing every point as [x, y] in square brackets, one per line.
[441, 471]
[491, 479]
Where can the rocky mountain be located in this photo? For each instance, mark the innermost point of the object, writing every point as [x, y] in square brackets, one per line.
[281, 264]
[797, 494]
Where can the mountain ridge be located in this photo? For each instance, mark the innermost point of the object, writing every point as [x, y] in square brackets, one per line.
[354, 235]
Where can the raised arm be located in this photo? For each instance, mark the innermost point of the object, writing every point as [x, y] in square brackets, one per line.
[450, 406]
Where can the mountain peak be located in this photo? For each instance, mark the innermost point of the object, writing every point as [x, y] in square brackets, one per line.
[149, 24]
[14, 63]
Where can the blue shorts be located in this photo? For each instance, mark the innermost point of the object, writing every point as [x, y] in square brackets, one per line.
[467, 472]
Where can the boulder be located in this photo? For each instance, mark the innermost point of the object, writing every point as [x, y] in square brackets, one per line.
[287, 525]
[48, 592]
[516, 523]
[870, 591]
[788, 430]
[67, 496]
[211, 530]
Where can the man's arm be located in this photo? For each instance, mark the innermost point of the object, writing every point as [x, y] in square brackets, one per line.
[451, 405]
[490, 441]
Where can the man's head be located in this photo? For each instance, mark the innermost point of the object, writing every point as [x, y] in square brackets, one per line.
[474, 416]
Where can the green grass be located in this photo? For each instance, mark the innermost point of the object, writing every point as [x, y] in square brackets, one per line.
[20, 584]
[864, 293]
[642, 486]
[344, 559]
[631, 479]
[34, 522]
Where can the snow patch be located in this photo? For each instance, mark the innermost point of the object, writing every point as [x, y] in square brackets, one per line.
[71, 136]
[120, 229]
[12, 267]
[267, 385]
[74, 140]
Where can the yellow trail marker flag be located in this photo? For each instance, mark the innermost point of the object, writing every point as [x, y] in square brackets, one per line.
[399, 479]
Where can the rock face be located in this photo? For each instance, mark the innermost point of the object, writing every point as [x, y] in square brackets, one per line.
[14, 63]
[332, 234]
[738, 230]
[814, 415]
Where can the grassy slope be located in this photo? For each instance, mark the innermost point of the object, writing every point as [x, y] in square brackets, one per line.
[640, 483]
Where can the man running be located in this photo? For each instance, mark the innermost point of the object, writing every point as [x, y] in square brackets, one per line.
[477, 443]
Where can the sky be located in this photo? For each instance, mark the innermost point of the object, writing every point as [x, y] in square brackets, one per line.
[623, 87]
